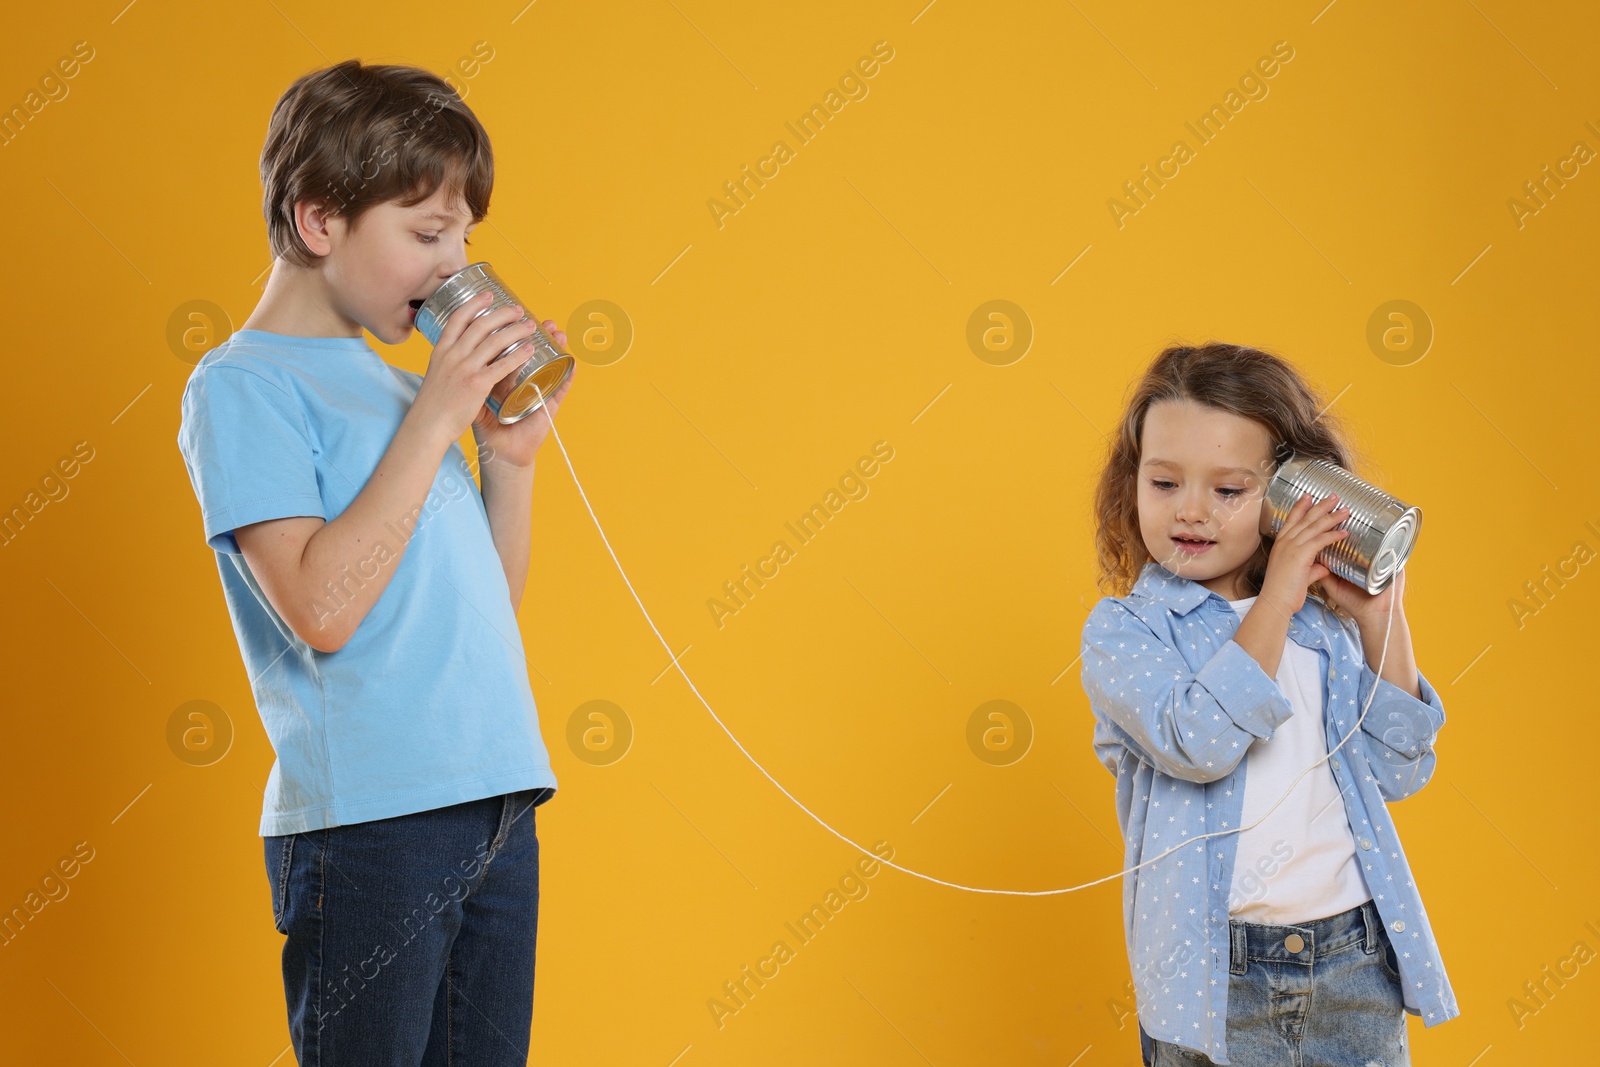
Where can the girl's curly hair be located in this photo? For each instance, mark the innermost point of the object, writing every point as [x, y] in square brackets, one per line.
[1244, 381]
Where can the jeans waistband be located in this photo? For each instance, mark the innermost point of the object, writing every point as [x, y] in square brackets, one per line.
[1303, 942]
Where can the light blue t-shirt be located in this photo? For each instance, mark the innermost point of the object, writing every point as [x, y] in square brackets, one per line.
[428, 704]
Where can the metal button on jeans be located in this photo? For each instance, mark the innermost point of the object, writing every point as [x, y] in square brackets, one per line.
[1294, 942]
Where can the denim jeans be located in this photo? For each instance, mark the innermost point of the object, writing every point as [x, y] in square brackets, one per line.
[410, 941]
[1333, 1001]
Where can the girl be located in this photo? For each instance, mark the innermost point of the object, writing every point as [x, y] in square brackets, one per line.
[1274, 919]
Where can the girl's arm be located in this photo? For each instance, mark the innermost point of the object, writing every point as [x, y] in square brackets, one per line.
[1400, 731]
[1406, 713]
[1400, 665]
[1195, 725]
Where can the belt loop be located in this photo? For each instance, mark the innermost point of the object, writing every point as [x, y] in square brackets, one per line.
[1369, 920]
[1238, 948]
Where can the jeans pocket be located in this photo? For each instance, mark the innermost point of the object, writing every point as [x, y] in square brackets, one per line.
[279, 855]
[1391, 963]
[1170, 1055]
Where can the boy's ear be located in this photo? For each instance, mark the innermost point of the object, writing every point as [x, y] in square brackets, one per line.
[316, 225]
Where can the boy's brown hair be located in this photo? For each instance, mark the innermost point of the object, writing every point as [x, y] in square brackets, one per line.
[354, 136]
[1244, 381]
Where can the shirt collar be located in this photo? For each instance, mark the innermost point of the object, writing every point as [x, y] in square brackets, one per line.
[1182, 595]
[294, 342]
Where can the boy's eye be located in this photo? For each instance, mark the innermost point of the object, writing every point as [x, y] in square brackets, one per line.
[432, 238]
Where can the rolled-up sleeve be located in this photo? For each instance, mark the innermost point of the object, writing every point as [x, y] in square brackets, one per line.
[1195, 725]
[1400, 731]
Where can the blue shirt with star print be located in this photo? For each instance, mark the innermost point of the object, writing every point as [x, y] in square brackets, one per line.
[1177, 703]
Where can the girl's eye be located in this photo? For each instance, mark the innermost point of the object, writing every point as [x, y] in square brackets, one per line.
[1159, 484]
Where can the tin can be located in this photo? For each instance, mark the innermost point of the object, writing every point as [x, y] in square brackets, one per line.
[1383, 530]
[543, 366]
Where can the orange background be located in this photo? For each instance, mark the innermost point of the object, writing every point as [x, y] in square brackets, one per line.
[769, 354]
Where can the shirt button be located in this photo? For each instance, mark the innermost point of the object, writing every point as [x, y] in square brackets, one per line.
[1399, 926]
[1335, 762]
[1366, 843]
[1294, 943]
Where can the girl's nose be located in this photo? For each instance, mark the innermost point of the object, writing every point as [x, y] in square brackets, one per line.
[1192, 508]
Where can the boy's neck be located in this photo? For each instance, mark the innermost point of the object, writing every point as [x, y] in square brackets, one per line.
[297, 303]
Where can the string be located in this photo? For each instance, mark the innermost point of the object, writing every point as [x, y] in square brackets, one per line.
[1388, 624]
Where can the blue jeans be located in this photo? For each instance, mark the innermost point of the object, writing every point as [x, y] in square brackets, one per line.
[1333, 1001]
[410, 941]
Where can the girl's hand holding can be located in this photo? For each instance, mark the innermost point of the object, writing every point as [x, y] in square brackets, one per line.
[1365, 607]
[1292, 565]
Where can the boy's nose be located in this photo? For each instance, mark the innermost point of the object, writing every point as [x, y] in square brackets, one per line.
[455, 259]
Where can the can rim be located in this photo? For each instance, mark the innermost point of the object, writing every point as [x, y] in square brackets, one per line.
[459, 288]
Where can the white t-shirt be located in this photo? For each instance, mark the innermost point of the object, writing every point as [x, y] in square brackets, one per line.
[1300, 864]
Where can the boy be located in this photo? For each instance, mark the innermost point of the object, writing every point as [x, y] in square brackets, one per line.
[373, 586]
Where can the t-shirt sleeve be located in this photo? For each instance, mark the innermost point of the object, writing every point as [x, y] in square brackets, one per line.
[249, 455]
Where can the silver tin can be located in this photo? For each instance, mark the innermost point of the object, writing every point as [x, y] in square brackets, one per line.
[1383, 530]
[543, 366]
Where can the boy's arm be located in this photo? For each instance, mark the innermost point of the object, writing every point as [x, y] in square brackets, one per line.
[304, 564]
[508, 498]
[300, 561]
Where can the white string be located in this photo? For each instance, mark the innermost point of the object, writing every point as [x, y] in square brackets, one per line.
[867, 851]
